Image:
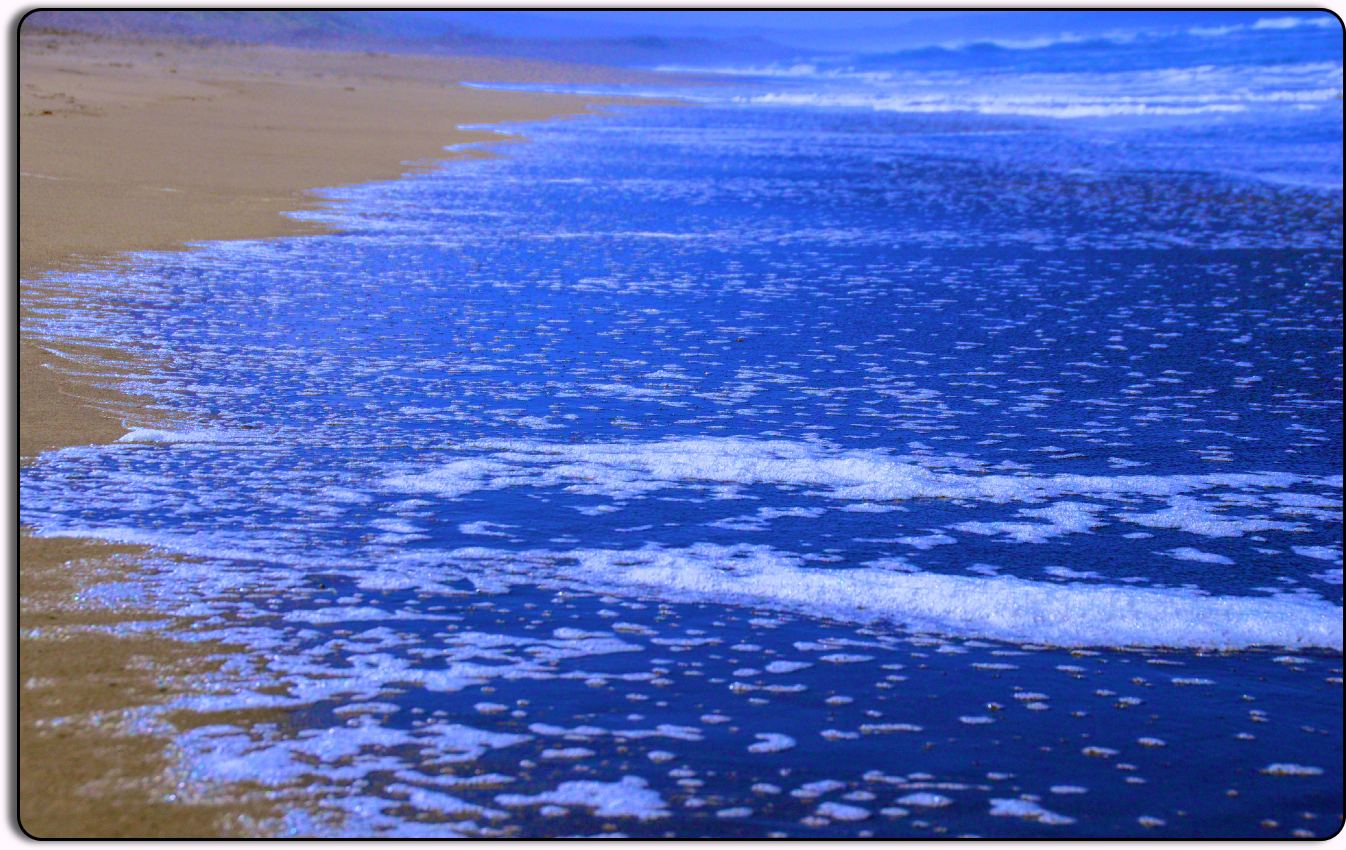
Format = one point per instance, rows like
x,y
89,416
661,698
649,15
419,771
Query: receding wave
x,y
1001,608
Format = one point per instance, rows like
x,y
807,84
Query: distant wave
x,y
1267,40
1293,23
1041,41
1033,109
1132,37
795,71
1165,91
1042,106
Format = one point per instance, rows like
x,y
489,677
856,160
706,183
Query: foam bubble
x,y
1187,553
771,742
1001,807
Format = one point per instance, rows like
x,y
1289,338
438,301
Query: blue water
x,y
802,463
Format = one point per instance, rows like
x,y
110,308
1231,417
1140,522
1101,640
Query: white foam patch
x,y
925,799
566,753
1187,553
186,436
483,528
628,469
758,521
999,607
928,541
225,753
771,742
842,811
440,803
1328,576
629,798
1195,517
1288,769
1321,553
1001,807
1061,518
810,790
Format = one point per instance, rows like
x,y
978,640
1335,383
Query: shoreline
x,y
131,145
142,144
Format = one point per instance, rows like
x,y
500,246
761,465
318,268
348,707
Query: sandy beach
x,y
130,145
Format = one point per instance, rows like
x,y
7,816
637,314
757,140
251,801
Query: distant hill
x,y
408,32
289,27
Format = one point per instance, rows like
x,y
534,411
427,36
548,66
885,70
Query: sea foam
x,y
628,469
1003,607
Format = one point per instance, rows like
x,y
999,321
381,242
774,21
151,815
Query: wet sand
x,y
136,144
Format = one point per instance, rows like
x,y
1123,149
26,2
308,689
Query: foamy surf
x,y
998,608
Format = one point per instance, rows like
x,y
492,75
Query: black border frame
x,y
12,322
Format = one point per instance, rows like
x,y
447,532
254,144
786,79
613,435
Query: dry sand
x,y
135,144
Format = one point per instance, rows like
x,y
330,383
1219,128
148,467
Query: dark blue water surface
x,y
761,468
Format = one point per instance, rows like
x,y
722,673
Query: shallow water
x,y
781,470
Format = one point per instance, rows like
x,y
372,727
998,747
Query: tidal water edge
x,y
775,466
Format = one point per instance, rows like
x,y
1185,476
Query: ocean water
x,y
935,443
